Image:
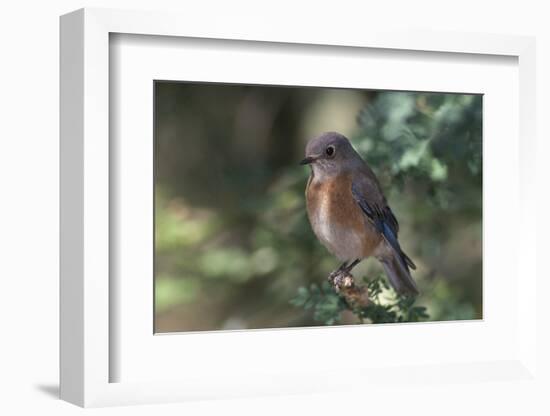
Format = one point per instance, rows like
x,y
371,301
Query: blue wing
x,y
384,221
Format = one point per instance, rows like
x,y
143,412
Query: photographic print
x,y
291,206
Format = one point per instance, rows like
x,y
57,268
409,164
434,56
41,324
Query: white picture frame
x,y
86,330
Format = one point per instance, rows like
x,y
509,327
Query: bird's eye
x,y
330,151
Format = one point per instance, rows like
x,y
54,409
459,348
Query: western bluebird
x,y
349,213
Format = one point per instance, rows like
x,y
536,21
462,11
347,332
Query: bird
x,y
349,213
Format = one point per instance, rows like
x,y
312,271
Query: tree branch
x,y
344,285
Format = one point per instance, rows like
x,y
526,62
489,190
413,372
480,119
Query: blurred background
x,y
232,241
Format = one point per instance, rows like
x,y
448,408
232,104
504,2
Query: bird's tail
x,y
398,273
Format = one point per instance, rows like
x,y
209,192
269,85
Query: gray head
x,y
331,154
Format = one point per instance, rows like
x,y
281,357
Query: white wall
x,y
29,185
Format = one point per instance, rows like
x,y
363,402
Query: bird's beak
x,y
307,160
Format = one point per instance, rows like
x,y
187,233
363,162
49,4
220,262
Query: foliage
x,y
430,140
385,305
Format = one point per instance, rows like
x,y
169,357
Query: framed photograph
x,y
242,212
245,247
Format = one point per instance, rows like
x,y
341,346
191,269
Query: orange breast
x,y
337,219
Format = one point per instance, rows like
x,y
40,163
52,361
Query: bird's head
x,y
330,154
